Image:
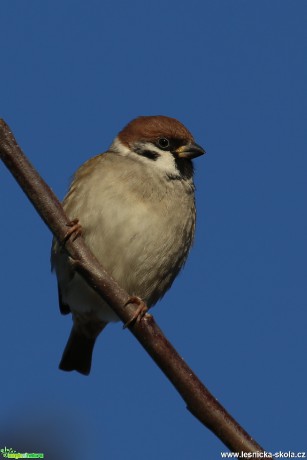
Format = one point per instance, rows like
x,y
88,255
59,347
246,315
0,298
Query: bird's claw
x,y
75,230
141,310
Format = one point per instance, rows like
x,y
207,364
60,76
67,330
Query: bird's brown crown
x,y
149,128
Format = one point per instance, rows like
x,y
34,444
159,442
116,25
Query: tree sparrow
x,y
136,206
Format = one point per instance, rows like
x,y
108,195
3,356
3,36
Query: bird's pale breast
x,y
140,234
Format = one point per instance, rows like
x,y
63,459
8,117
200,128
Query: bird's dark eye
x,y
163,143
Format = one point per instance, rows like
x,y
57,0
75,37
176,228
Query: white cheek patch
x,y
165,162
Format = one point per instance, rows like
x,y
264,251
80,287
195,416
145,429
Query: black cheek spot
x,y
150,154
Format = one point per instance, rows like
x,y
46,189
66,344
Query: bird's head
x,y
159,141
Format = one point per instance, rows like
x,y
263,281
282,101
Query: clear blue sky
x,y
73,73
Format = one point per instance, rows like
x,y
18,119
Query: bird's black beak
x,y
190,151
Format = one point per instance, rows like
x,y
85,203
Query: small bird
x,y
136,206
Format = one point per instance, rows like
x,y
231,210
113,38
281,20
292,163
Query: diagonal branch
x,y
200,402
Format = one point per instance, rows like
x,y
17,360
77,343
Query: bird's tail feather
x,y
78,352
